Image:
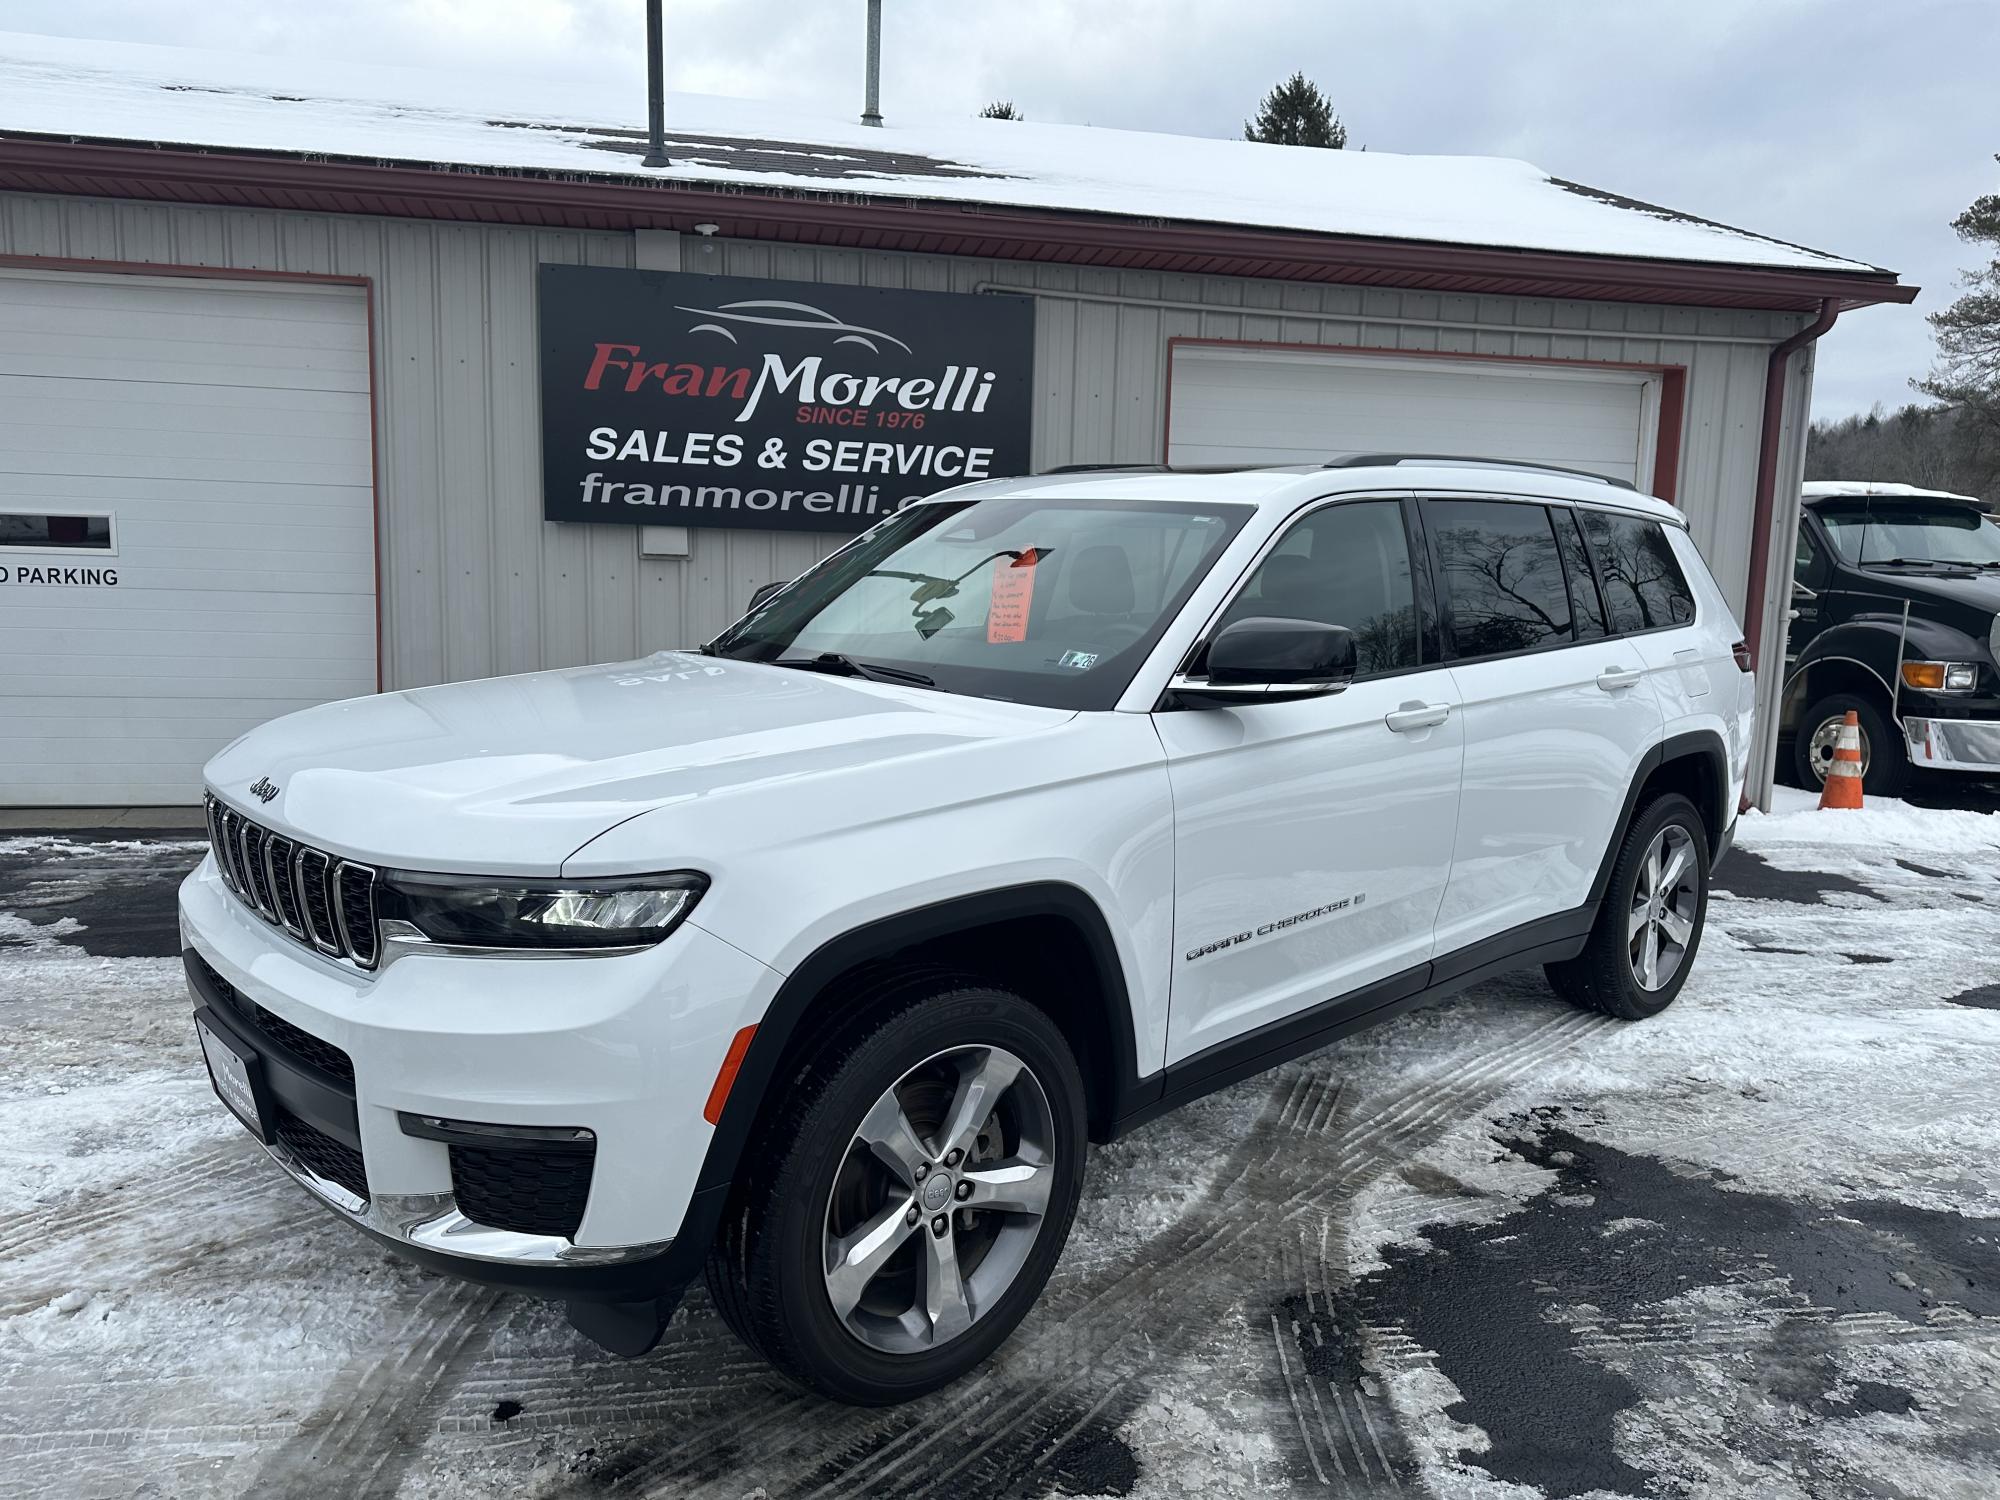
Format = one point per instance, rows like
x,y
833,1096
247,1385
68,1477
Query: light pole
x,y
871,113
656,90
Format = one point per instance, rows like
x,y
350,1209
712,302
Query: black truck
x,y
1896,615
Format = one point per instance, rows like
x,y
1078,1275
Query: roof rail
x,y
1461,461
1102,468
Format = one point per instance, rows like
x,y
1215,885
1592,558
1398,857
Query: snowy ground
x,y
1495,1249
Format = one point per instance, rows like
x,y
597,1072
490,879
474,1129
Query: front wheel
x,y
1648,929
1885,758
911,1197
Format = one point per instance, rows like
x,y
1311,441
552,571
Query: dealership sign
x,y
686,400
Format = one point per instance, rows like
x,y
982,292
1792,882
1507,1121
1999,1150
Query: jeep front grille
x,y
317,898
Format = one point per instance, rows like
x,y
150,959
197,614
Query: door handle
x,y
1414,716
1612,679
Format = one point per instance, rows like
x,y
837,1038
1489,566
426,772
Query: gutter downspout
x,y
1764,509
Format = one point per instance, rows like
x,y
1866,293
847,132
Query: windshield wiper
x,y
846,666
1903,562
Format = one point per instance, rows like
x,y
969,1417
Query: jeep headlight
x,y
483,911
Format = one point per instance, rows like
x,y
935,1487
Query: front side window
x,y
1644,588
1906,535
1051,602
1347,564
1502,574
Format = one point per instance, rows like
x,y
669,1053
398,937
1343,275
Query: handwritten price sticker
x,y
1013,593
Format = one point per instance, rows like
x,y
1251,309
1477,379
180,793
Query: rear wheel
x,y
1649,927
910,1198
1885,760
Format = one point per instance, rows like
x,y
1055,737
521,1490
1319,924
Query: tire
x,y
816,1186
1883,750
1607,975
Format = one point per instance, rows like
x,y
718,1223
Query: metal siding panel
x,y
1790,474
407,409
514,479
467,508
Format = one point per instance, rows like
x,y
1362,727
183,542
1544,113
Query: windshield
x,y
1946,535
1051,602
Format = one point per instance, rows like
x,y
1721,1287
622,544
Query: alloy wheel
x,y
938,1199
1665,906
1819,750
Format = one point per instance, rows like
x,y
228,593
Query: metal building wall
x,y
476,583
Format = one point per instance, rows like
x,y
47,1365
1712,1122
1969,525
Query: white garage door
x,y
187,540
1235,406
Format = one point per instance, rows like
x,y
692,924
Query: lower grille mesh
x,y
530,1190
280,1033
320,1152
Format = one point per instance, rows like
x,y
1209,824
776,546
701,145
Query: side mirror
x,y
1267,660
766,592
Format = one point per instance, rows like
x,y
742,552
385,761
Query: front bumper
x,y
623,1047
1954,744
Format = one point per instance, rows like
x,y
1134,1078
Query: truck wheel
x,y
910,1197
1649,928
1885,759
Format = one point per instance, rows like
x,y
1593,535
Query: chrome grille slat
x,y
324,902
255,841
278,852
232,847
354,909
316,899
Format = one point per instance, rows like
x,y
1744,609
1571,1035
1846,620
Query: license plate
x,y
229,1070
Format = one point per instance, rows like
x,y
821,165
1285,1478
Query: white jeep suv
x,y
811,959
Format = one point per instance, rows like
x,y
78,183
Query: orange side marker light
x,y
725,1078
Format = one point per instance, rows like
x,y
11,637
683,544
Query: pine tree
x,y
1296,113
1967,374
1001,109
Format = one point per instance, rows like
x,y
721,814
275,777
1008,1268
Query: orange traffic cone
x,y
1843,777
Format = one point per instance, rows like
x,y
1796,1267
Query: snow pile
x,y
1885,823
124,92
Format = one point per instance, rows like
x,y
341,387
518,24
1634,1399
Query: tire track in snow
x,y
380,1408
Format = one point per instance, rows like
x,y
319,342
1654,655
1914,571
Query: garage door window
x,y
1503,576
46,533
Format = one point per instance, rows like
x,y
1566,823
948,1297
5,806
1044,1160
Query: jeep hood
x,y
513,774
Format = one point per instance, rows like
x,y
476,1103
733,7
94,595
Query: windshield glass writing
x,y
1950,535
1053,602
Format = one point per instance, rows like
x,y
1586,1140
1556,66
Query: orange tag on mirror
x,y
1013,592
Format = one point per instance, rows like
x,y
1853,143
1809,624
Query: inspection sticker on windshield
x,y
1077,661
1013,592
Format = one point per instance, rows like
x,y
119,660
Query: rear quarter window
x,y
1644,586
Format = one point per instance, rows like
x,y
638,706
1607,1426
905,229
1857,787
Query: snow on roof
x,y
1822,489
114,91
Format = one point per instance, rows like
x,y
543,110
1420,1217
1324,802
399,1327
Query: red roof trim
x,y
37,164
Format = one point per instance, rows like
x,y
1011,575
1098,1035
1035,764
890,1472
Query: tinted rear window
x,y
1583,596
1503,577
1644,588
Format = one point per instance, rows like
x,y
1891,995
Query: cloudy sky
x,y
1849,125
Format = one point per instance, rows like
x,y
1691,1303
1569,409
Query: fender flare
x,y
880,938
1703,744
1872,644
